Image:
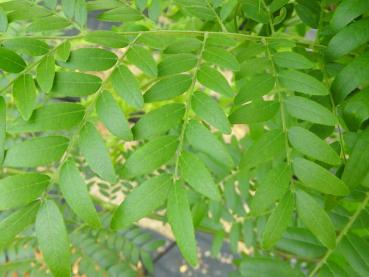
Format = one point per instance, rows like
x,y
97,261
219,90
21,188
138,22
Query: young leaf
x,y
143,59
309,110
3,128
180,219
36,151
209,110
76,194
107,38
255,112
256,87
168,88
221,57
142,201
195,173
214,80
126,85
302,82
19,190
176,63
159,121
46,73
315,219
292,60
278,221
11,61
150,156
93,148
24,92
53,239
112,116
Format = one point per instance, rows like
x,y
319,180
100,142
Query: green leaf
x,y
142,201
68,7
176,63
3,21
271,188
278,221
16,222
80,12
255,112
316,177
252,9
209,110
90,59
11,61
46,73
76,194
309,12
28,46
312,146
159,121
309,110
112,116
183,45
348,39
24,92
221,57
36,151
347,11
197,8
214,80
195,173
292,60
168,88
63,51
256,87
150,156
93,148
302,82
75,84
3,129
357,166
48,23
126,85
121,14
180,219
55,116
107,38
356,110
21,189
315,219
143,59
204,141
53,239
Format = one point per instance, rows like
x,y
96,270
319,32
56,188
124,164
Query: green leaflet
x,y
348,39
53,239
121,14
46,73
302,82
255,112
315,219
253,10
28,46
68,7
150,156
356,110
159,121
75,84
350,77
195,173
93,148
183,45
221,57
180,219
21,189
126,85
80,12
16,222
309,110
112,116
209,110
292,60
278,221
312,146
48,23
142,201
55,116
357,166
3,128
11,61
107,38
316,177
3,21
76,194
63,51
347,11
256,87
214,80
199,137
309,12
271,188
168,87
176,63
90,59
24,92
36,151
142,58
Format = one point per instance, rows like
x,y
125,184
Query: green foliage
x,y
247,119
